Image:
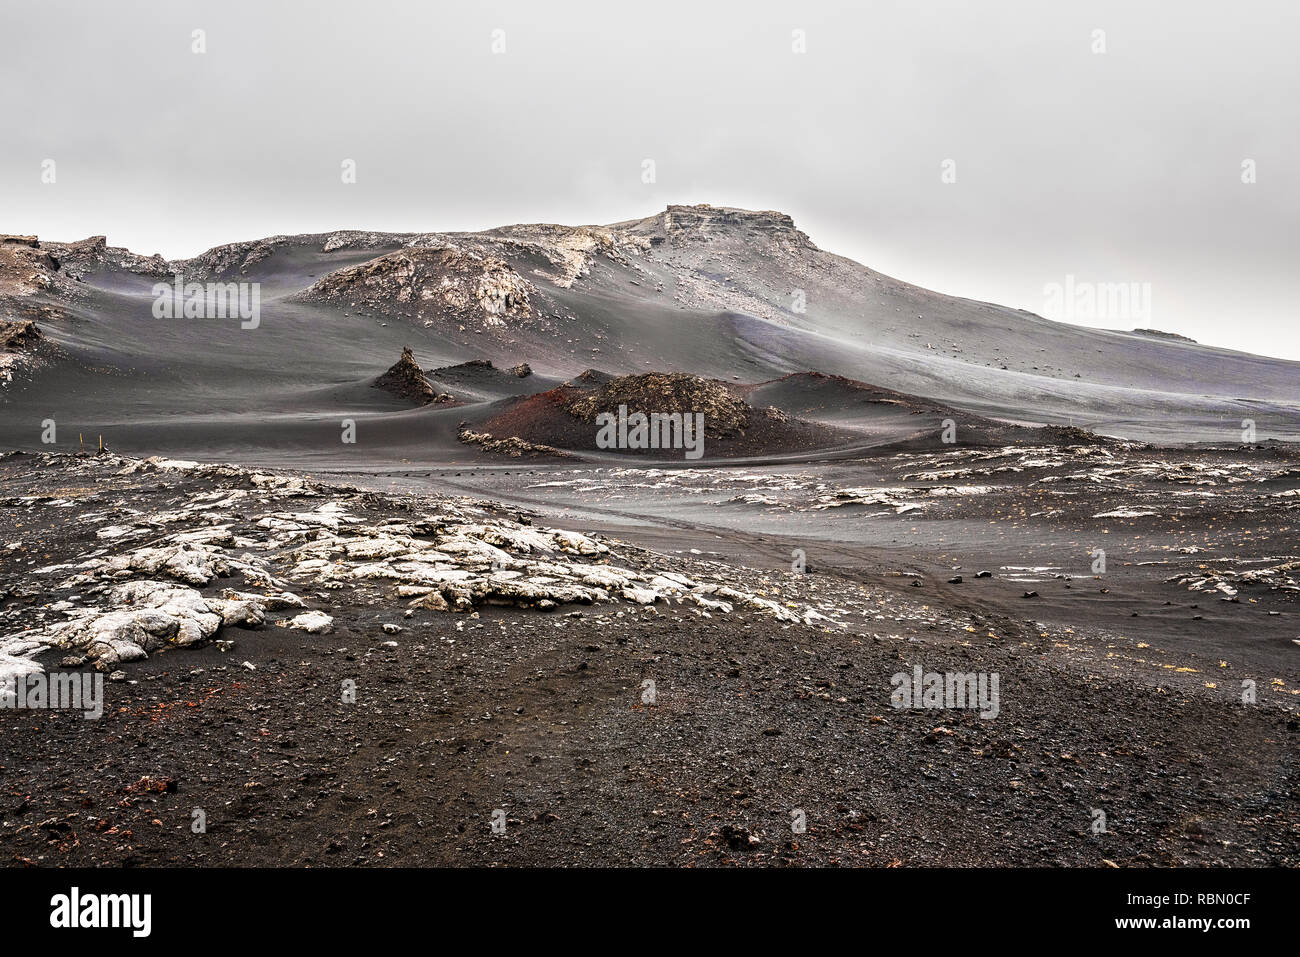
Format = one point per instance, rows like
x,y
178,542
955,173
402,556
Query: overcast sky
x,y
1121,166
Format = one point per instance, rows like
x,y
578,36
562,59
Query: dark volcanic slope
x,y
703,290
878,415
479,380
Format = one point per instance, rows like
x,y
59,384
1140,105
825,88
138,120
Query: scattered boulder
x,y
191,562
313,622
149,616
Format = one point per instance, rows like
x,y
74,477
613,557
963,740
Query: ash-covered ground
x,y
697,702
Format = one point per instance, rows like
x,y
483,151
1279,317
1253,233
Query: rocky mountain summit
x,y
704,224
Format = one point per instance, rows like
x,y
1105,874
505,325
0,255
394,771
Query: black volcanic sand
x,y
541,716
1031,535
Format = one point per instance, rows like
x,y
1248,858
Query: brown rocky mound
x,y
565,417
725,412
432,282
406,380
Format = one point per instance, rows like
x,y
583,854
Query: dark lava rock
x,y
406,380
